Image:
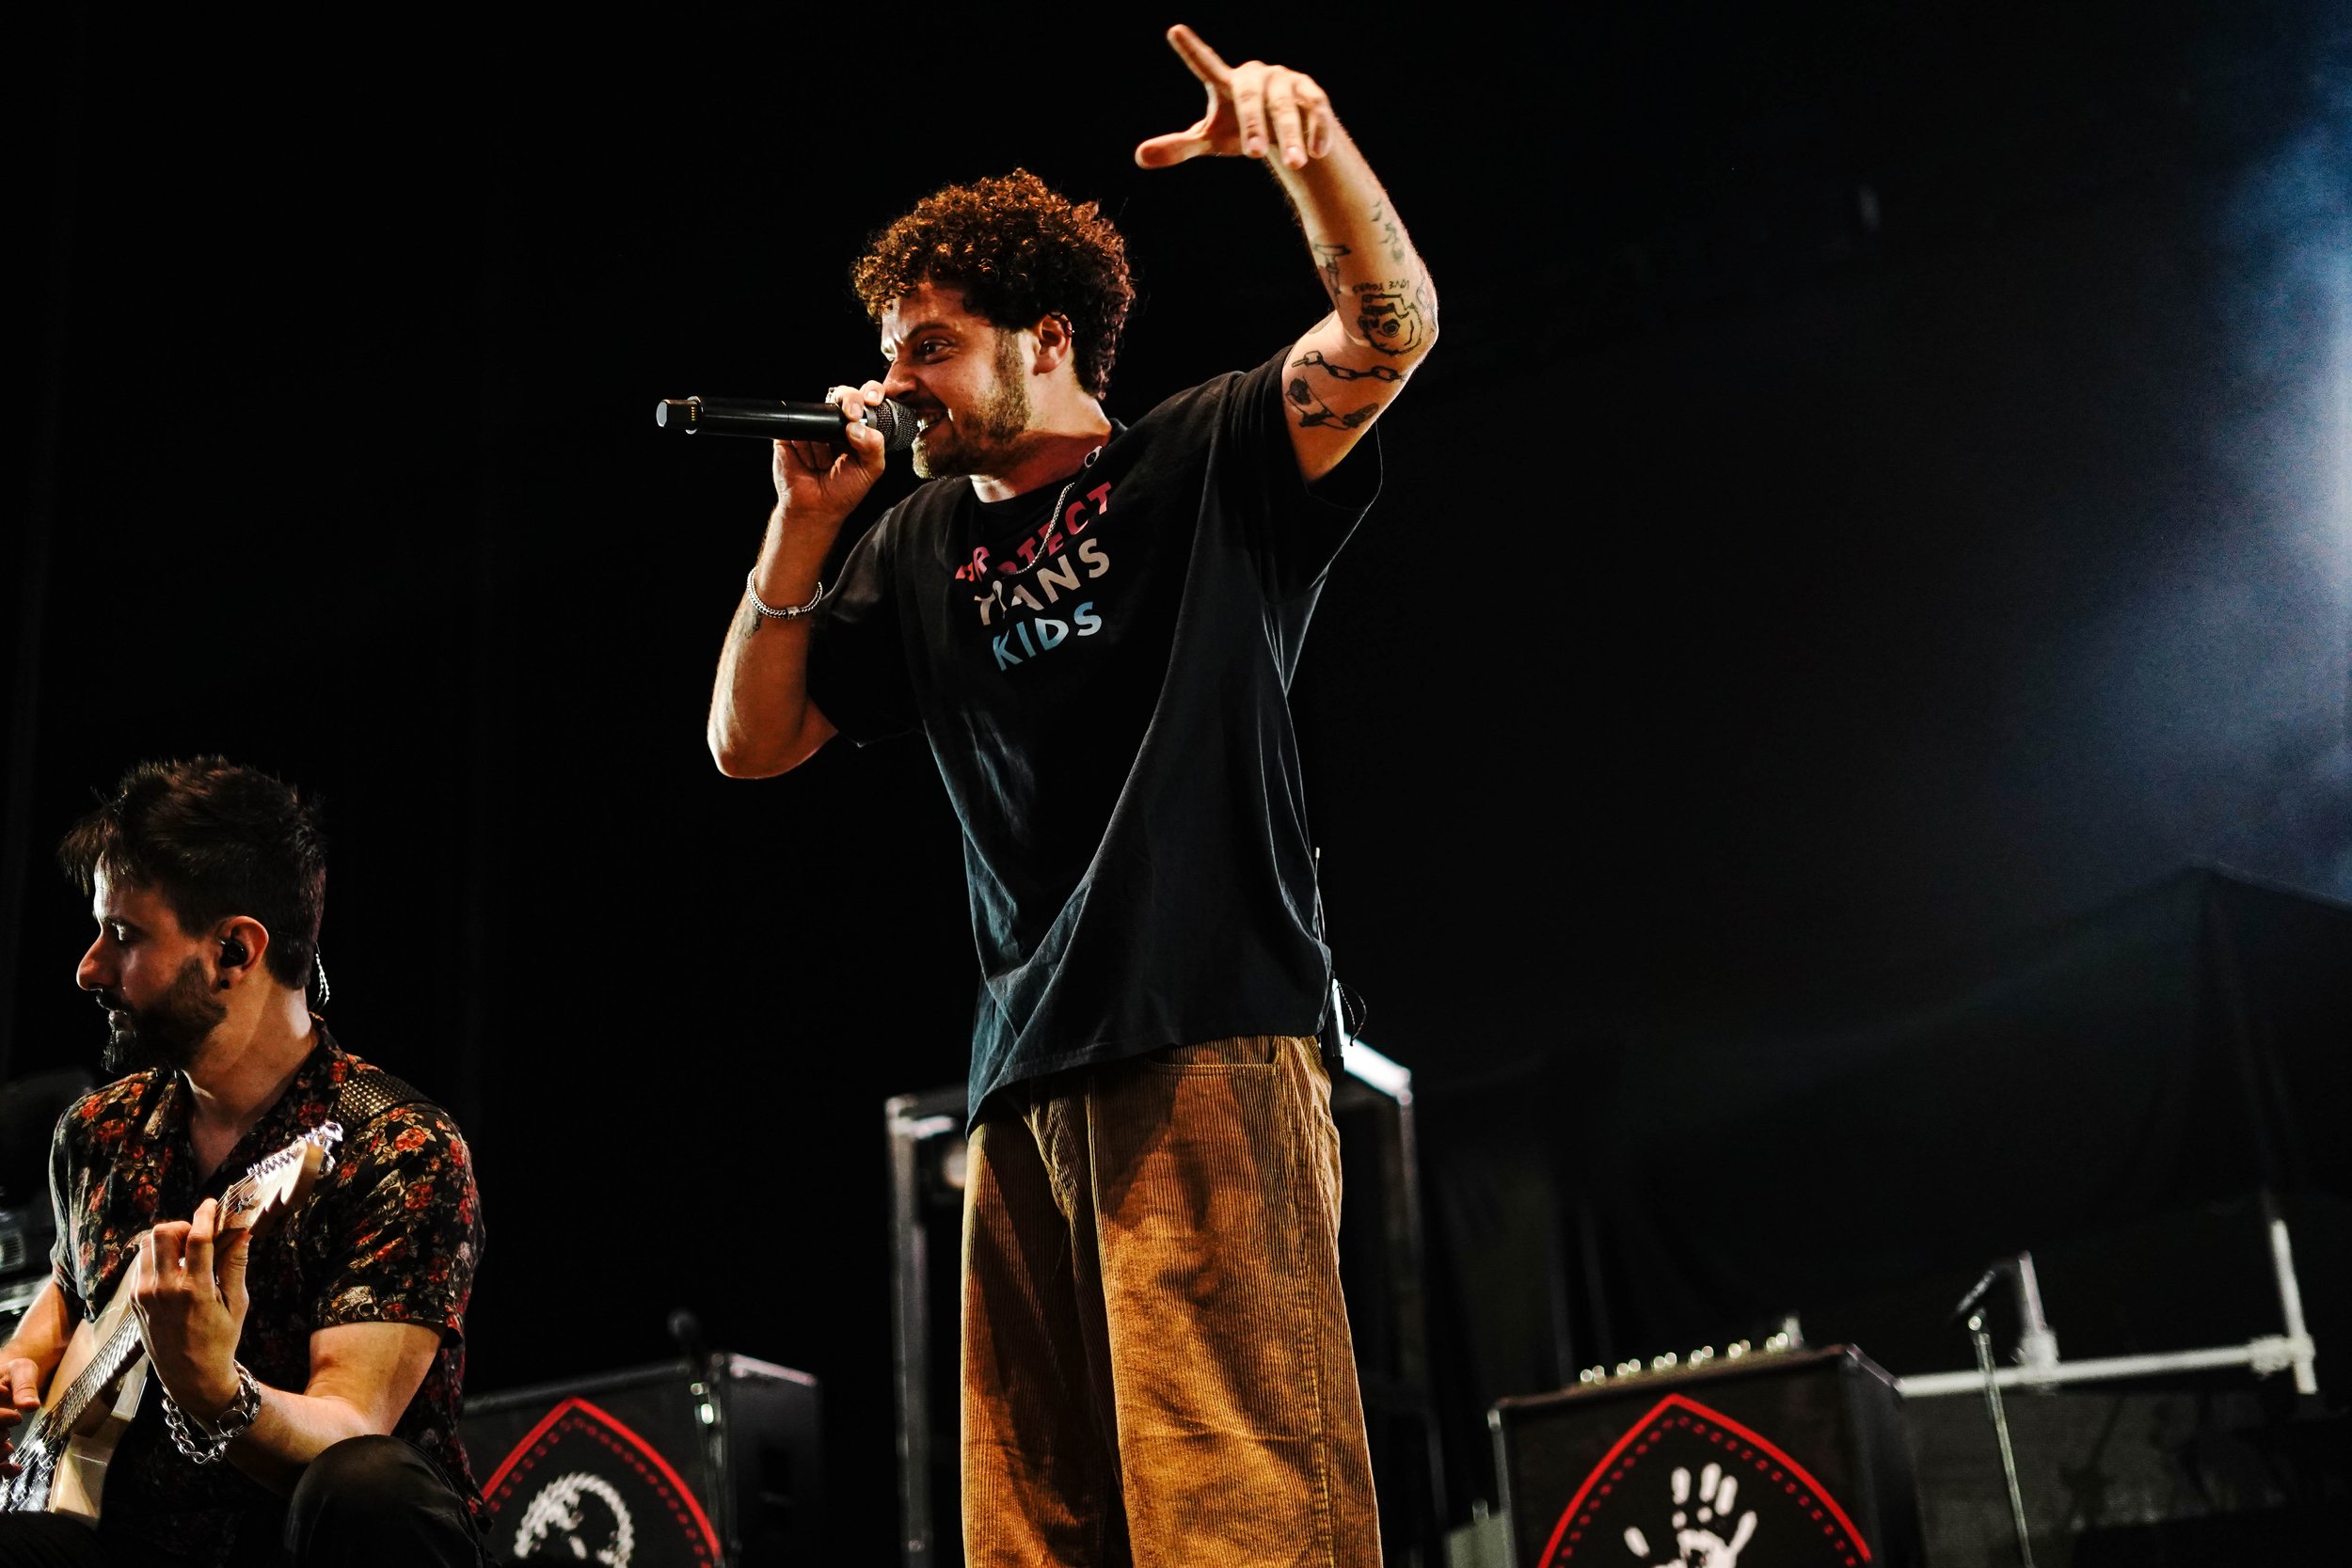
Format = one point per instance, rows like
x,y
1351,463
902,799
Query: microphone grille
x,y
894,421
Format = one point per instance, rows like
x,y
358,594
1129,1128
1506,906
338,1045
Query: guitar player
x,y
303,1376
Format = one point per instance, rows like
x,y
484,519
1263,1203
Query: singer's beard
x,y
977,441
167,1030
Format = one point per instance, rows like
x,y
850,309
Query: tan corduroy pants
x,y
1156,1364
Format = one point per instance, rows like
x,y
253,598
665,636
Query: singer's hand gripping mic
x,y
783,422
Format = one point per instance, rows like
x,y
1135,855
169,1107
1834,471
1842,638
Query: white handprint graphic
x,y
1698,1544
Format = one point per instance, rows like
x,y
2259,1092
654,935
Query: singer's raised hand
x,y
1350,366
1253,107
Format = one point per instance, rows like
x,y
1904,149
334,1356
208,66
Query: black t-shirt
x,y
1102,670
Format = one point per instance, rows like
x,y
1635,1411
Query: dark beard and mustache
x,y
989,432
166,1032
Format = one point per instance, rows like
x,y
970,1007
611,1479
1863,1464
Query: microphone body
x,y
783,422
1976,1294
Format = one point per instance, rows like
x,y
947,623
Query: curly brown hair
x,y
1018,250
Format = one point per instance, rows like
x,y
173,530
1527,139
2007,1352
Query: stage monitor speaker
x,y
1789,1459
677,1465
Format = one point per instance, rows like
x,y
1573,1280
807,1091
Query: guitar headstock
x,y
282,1181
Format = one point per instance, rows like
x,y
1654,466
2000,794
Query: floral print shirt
x,y
391,1234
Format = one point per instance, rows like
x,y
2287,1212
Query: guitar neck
x,y
59,1466
105,1365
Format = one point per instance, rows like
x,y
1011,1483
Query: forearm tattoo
x,y
1314,357
746,623
1307,404
1397,316
1386,317
1328,262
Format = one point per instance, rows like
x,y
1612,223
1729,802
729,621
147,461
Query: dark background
x,y
1884,488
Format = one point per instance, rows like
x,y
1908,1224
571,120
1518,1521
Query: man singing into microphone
x,y
1094,626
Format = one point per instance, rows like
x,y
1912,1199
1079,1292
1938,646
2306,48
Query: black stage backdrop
x,y
2128,1094
1881,496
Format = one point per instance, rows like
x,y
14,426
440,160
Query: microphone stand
x,y
1982,1338
2000,1431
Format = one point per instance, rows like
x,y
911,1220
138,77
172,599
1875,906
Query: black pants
x,y
367,1502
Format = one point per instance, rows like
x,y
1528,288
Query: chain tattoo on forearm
x,y
1307,404
1395,317
1347,372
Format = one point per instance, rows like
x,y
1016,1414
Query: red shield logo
x,y
582,1487
1688,1487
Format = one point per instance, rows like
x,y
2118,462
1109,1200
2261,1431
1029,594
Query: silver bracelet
x,y
242,1412
788,611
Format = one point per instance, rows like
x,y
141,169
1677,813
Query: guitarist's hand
x,y
19,1396
20,1390
191,1304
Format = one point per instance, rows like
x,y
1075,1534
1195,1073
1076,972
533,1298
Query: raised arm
x,y
761,721
1352,363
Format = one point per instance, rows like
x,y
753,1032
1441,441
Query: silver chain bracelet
x,y
242,1412
786,613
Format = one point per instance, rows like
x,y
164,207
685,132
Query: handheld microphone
x,y
783,422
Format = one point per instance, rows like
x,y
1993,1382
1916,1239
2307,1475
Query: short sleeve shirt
x,y
1102,672
392,1233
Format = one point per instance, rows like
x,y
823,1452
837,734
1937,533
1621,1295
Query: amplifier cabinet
x,y
678,1464
1792,1459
